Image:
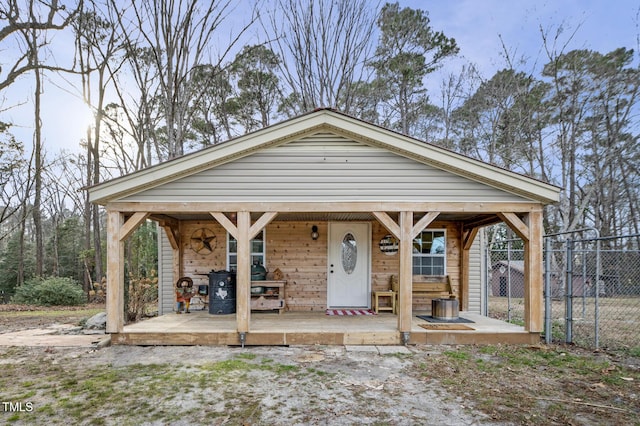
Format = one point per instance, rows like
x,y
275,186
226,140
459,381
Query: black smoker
x,y
222,292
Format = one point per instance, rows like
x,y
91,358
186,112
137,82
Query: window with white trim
x,y
257,251
429,252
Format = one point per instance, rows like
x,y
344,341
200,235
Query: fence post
x,y
509,281
569,293
597,295
547,290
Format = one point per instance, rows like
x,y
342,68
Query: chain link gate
x,y
592,288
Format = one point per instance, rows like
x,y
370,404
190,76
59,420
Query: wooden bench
x,y
428,286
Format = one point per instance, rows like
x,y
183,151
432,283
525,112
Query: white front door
x,y
348,283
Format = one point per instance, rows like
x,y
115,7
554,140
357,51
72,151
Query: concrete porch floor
x,y
313,328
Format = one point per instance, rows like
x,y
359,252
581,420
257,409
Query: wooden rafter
x,y
480,221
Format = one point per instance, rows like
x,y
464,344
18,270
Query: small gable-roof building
x,y
334,208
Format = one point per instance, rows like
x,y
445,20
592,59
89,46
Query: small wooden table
x,y
376,295
272,297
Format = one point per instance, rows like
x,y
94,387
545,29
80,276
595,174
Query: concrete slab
x,y
361,348
391,350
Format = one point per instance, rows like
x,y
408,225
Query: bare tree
x,y
454,90
12,165
96,47
324,45
178,35
27,24
18,17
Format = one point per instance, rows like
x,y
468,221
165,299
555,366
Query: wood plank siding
x,y
324,167
302,260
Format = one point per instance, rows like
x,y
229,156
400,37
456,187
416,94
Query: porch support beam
x,y
118,230
530,230
405,275
533,273
467,241
243,273
115,273
325,206
405,232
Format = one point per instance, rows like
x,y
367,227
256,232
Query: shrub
x,y
54,291
143,291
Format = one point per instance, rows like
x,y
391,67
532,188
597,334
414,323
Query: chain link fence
x,y
592,288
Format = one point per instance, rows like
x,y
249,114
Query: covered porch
x,y
404,221
315,328
354,183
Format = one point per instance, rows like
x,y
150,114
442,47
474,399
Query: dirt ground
x,y
300,385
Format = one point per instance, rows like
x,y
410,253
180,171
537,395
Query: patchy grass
x,y
137,393
618,320
536,385
542,384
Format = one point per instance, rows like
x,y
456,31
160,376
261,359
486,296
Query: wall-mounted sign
x,y
389,245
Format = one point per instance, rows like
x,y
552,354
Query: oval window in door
x,y
349,253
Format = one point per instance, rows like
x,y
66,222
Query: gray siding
x,y
324,167
475,276
165,274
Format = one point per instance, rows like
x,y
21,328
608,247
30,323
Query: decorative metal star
x,y
203,240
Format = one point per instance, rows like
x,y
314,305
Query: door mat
x,y
431,319
447,326
349,312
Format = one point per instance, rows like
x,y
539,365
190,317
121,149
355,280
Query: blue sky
x,y
477,25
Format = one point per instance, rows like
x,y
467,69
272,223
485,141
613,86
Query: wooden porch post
x,y
243,273
115,273
531,233
405,232
468,236
117,231
405,275
533,272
